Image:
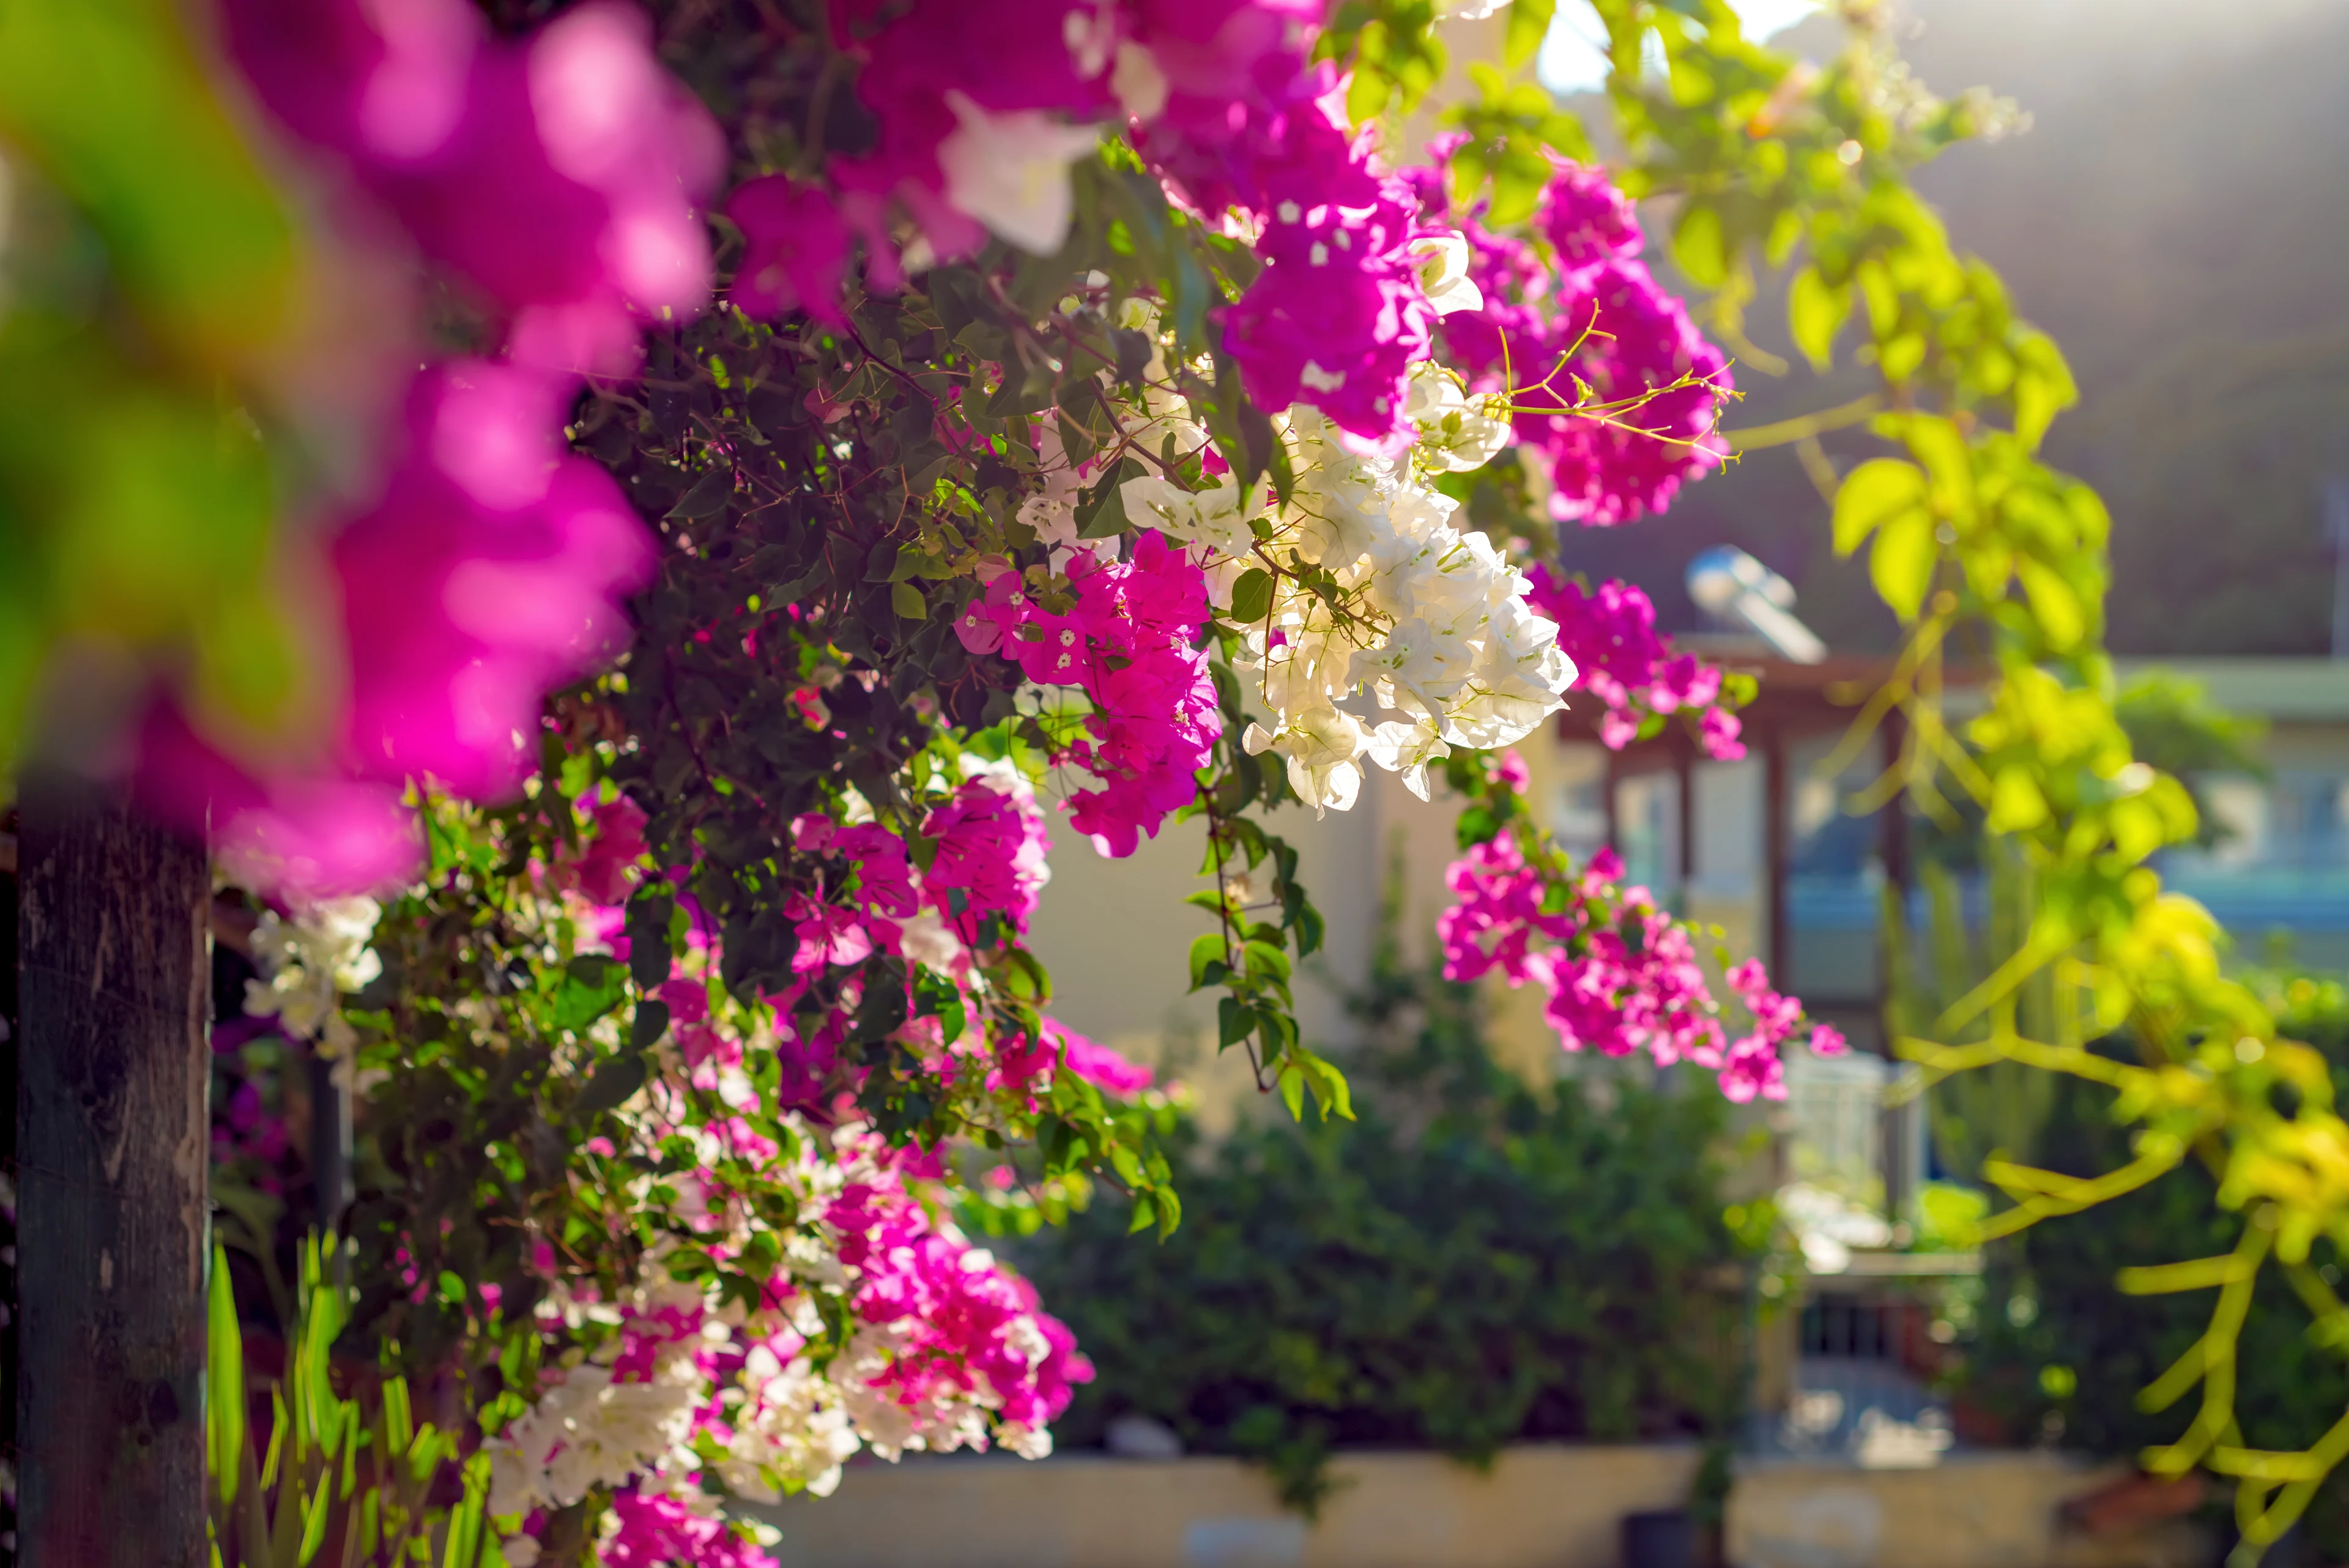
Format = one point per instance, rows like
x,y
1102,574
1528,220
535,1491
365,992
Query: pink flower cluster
x,y
1234,70
978,108
963,1326
1338,317
1598,318
1031,1065
656,1529
1621,974
962,96
1620,658
991,847
945,1348
608,859
989,844
557,177
1126,644
874,878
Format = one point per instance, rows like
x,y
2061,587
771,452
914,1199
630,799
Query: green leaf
x,y
1101,510
1292,1091
592,987
1235,1022
2044,387
225,1376
907,601
2053,604
615,1079
1329,1086
649,1025
708,497
1700,247
1529,23
2016,804
1206,949
1814,312
1263,958
1901,566
1871,495
647,929
1251,596
313,1522
1259,443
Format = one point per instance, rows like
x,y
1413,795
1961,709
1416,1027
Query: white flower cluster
x,y
308,961
589,1431
793,1423
1372,589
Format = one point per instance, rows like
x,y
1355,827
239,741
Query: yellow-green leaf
x,y
1814,312
1700,247
1901,566
2044,387
1877,490
1528,25
2054,604
2016,804
1292,1091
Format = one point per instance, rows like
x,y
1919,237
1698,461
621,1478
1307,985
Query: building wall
x,y
1540,1506
1116,934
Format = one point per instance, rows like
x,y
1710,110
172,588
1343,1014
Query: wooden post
x,y
113,1152
1778,945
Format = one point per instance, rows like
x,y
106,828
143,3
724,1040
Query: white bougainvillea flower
x,y
1454,434
1443,262
1010,171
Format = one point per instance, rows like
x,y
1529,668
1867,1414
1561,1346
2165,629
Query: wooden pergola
x,y
1796,702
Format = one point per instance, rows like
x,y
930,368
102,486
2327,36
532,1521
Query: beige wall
x,y
1540,1506
1972,1511
1115,933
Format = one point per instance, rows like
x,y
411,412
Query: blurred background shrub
x,y
1478,1262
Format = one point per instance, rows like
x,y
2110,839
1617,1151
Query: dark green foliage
x,y
2062,1352
2173,725
1471,1265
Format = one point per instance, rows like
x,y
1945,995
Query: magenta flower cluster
x,y
1617,391
1620,974
990,844
556,177
656,1529
1127,645
990,859
1338,317
979,110
938,1329
1620,658
960,1321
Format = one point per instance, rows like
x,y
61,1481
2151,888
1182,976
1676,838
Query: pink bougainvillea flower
x,y
1619,658
1588,327
558,173
795,249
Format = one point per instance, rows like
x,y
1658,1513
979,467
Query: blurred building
x,y
2278,880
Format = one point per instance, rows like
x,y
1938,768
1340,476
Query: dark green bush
x,y
1471,1265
